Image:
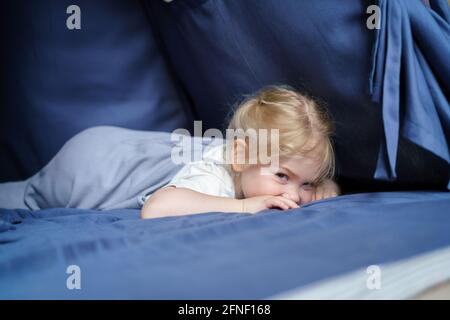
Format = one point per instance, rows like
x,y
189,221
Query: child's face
x,y
292,179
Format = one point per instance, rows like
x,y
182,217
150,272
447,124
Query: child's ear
x,y
239,152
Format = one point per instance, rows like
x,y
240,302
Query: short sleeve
x,y
204,177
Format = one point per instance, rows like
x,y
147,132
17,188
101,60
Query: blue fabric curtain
x,y
411,78
56,82
221,50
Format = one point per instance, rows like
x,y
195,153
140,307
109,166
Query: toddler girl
x,y
304,162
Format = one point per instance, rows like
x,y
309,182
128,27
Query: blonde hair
x,y
305,128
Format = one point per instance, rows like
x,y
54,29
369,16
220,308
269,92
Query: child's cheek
x,y
270,187
264,186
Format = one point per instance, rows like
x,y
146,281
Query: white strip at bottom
x,y
397,281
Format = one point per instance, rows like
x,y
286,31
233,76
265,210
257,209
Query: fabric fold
x,y
410,79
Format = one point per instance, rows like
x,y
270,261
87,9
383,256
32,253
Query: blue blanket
x,y
213,255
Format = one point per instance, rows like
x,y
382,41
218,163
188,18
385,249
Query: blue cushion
x,y
58,82
224,49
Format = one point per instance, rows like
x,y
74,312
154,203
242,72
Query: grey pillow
x,y
101,168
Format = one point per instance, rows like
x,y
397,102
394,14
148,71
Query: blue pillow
x,y
57,82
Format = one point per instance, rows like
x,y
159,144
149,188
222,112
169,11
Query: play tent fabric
x,y
156,65
411,71
323,47
56,81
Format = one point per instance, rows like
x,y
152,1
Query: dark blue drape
x,y
411,79
144,64
221,50
55,82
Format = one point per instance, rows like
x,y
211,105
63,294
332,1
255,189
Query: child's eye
x,y
282,176
307,186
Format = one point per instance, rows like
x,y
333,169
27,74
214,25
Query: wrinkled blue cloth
x,y
213,255
411,79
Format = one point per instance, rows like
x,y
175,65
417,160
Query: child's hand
x,y
259,203
327,189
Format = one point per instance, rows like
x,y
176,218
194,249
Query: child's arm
x,y
326,189
171,201
180,201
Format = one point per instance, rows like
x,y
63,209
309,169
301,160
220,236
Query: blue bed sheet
x,y
213,255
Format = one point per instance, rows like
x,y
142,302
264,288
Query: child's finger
x,y
280,204
289,202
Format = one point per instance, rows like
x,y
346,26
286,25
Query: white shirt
x,y
209,176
